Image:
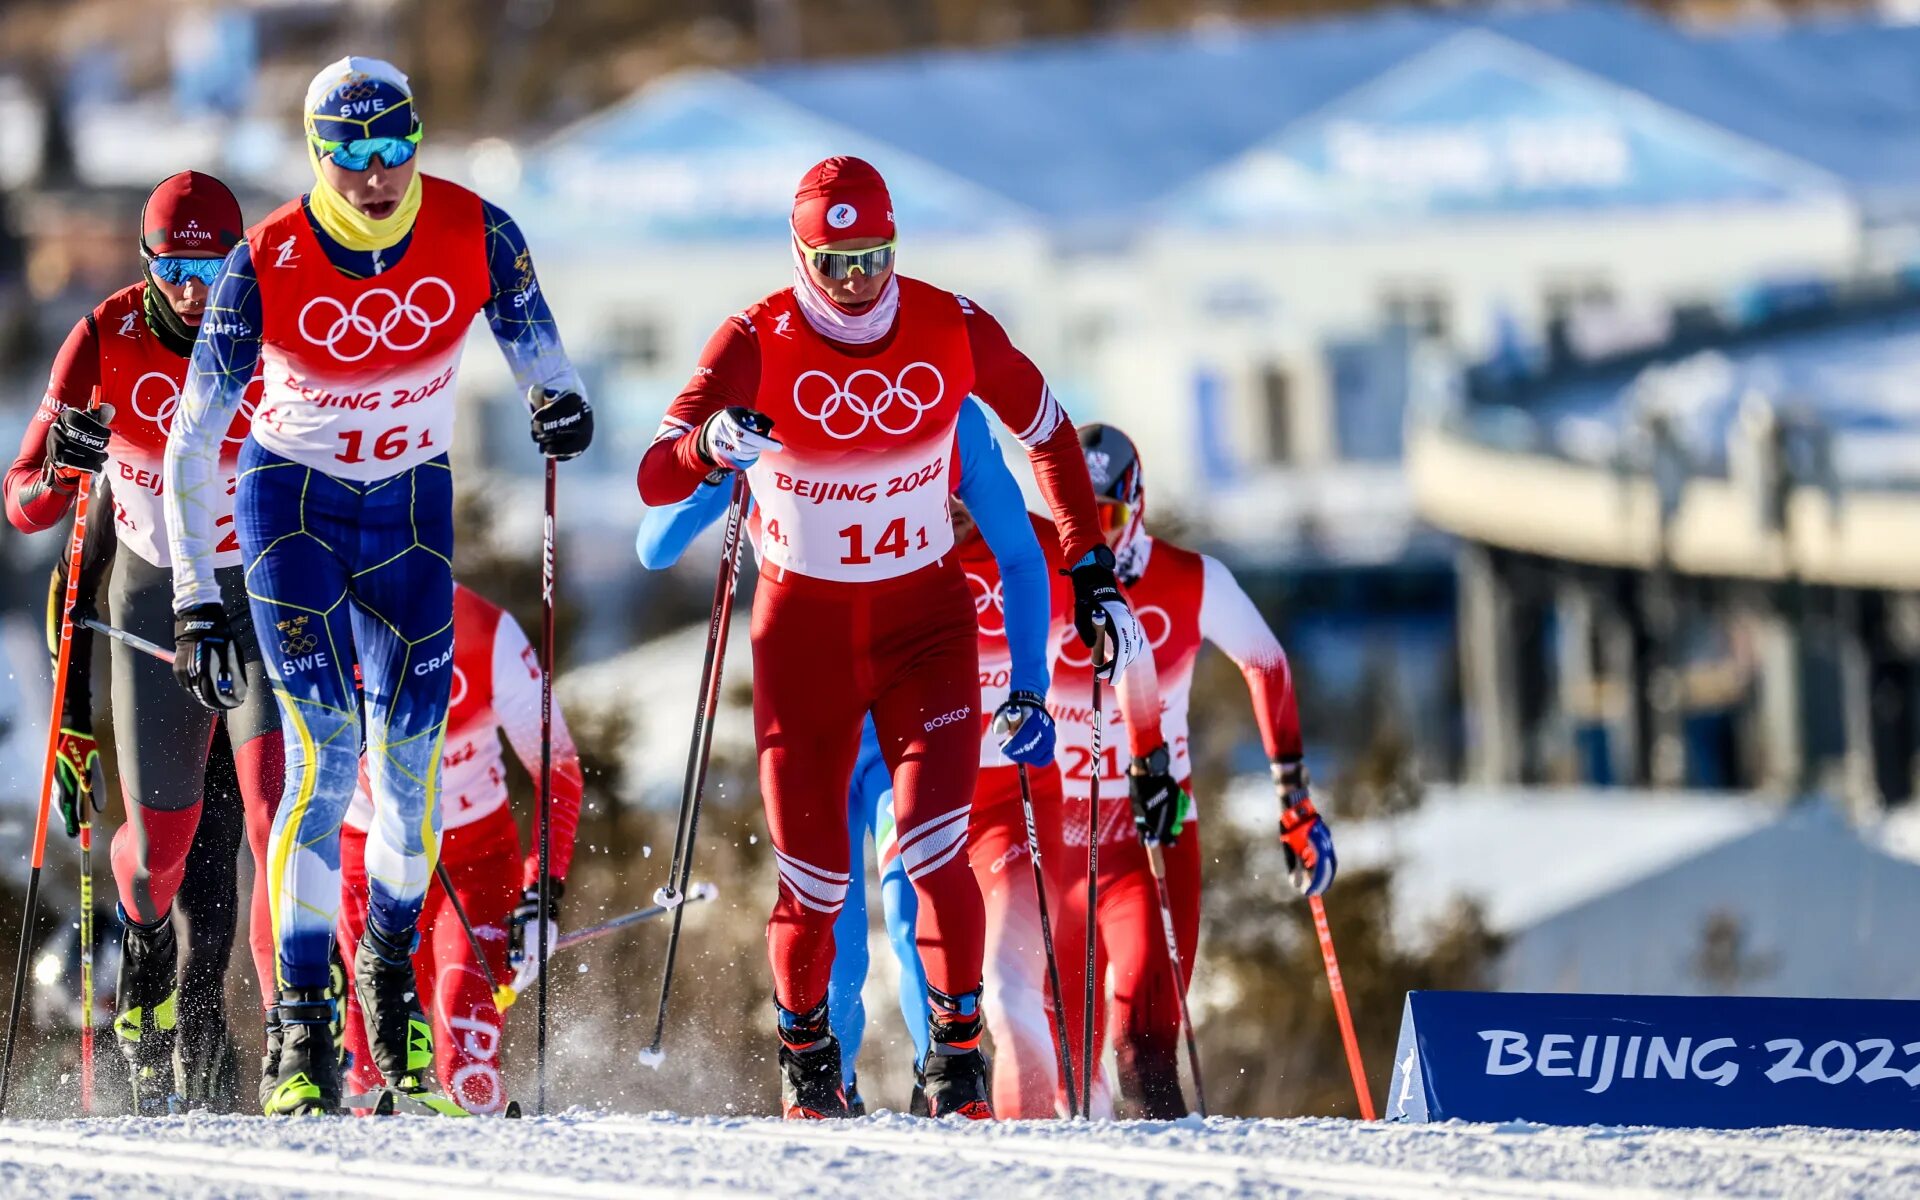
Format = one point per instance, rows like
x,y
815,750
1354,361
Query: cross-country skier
x,y
204,1072
354,301
1182,598
861,607
1000,534
132,350
496,691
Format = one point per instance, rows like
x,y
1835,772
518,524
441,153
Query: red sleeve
x,y
1018,394
33,502
728,374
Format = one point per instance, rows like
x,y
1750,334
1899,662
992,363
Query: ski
x,y
387,1102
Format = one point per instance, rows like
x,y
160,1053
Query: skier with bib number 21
x,y
861,606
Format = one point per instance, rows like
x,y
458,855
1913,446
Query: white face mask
x,y
834,323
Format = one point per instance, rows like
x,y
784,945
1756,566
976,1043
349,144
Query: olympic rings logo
x,y
377,318
876,407
159,403
988,602
1072,652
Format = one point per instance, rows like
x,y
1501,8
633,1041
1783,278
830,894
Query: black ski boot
x,y
398,1033
148,999
270,1061
954,1076
856,1105
306,1066
205,1067
810,1087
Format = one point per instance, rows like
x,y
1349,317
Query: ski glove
x,y
206,659
1024,729
523,954
562,424
1304,837
1097,605
1160,806
75,756
78,440
734,438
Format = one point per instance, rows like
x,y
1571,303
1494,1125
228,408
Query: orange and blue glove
x,y
1304,837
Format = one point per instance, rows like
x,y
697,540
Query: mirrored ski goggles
x,y
359,154
1115,515
839,264
176,270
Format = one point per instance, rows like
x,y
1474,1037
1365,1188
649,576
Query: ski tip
x,y
652,1057
512,1111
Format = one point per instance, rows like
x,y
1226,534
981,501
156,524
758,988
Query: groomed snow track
x,y
595,1156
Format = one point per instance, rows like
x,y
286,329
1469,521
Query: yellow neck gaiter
x,y
348,225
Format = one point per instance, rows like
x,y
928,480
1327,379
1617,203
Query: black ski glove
x,y
1098,604
206,659
562,423
1160,805
78,440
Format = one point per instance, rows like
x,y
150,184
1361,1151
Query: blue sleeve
x,y
666,532
517,311
990,493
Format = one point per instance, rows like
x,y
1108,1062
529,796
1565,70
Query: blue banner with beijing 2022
x,y
1718,1062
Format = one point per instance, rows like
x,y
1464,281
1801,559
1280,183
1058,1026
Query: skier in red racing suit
x,y
1182,599
838,396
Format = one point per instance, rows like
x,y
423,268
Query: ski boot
x,y
149,1005
810,1087
398,1033
206,1069
270,1060
954,1076
856,1105
306,1075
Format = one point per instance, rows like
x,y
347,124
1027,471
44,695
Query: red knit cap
x,y
190,211
842,198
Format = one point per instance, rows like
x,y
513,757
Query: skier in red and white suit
x,y
1182,599
862,607
1026,1074
496,690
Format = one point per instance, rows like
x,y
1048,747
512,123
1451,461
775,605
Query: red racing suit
x,y
862,606
1181,599
496,690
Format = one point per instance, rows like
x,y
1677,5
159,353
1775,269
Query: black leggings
x,y
208,902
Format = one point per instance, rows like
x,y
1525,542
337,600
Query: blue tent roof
x,y
1086,128
1105,130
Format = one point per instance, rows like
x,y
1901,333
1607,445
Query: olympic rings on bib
x,y
379,317
989,603
875,407
156,398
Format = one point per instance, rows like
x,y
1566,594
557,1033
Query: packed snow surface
x,y
582,1154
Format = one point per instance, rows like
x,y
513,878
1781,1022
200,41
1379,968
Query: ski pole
x,y
75,550
505,994
1046,940
473,938
1093,888
86,957
1355,1065
681,868
129,639
1157,863
544,885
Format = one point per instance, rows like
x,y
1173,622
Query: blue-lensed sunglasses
x,y
358,155
175,270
